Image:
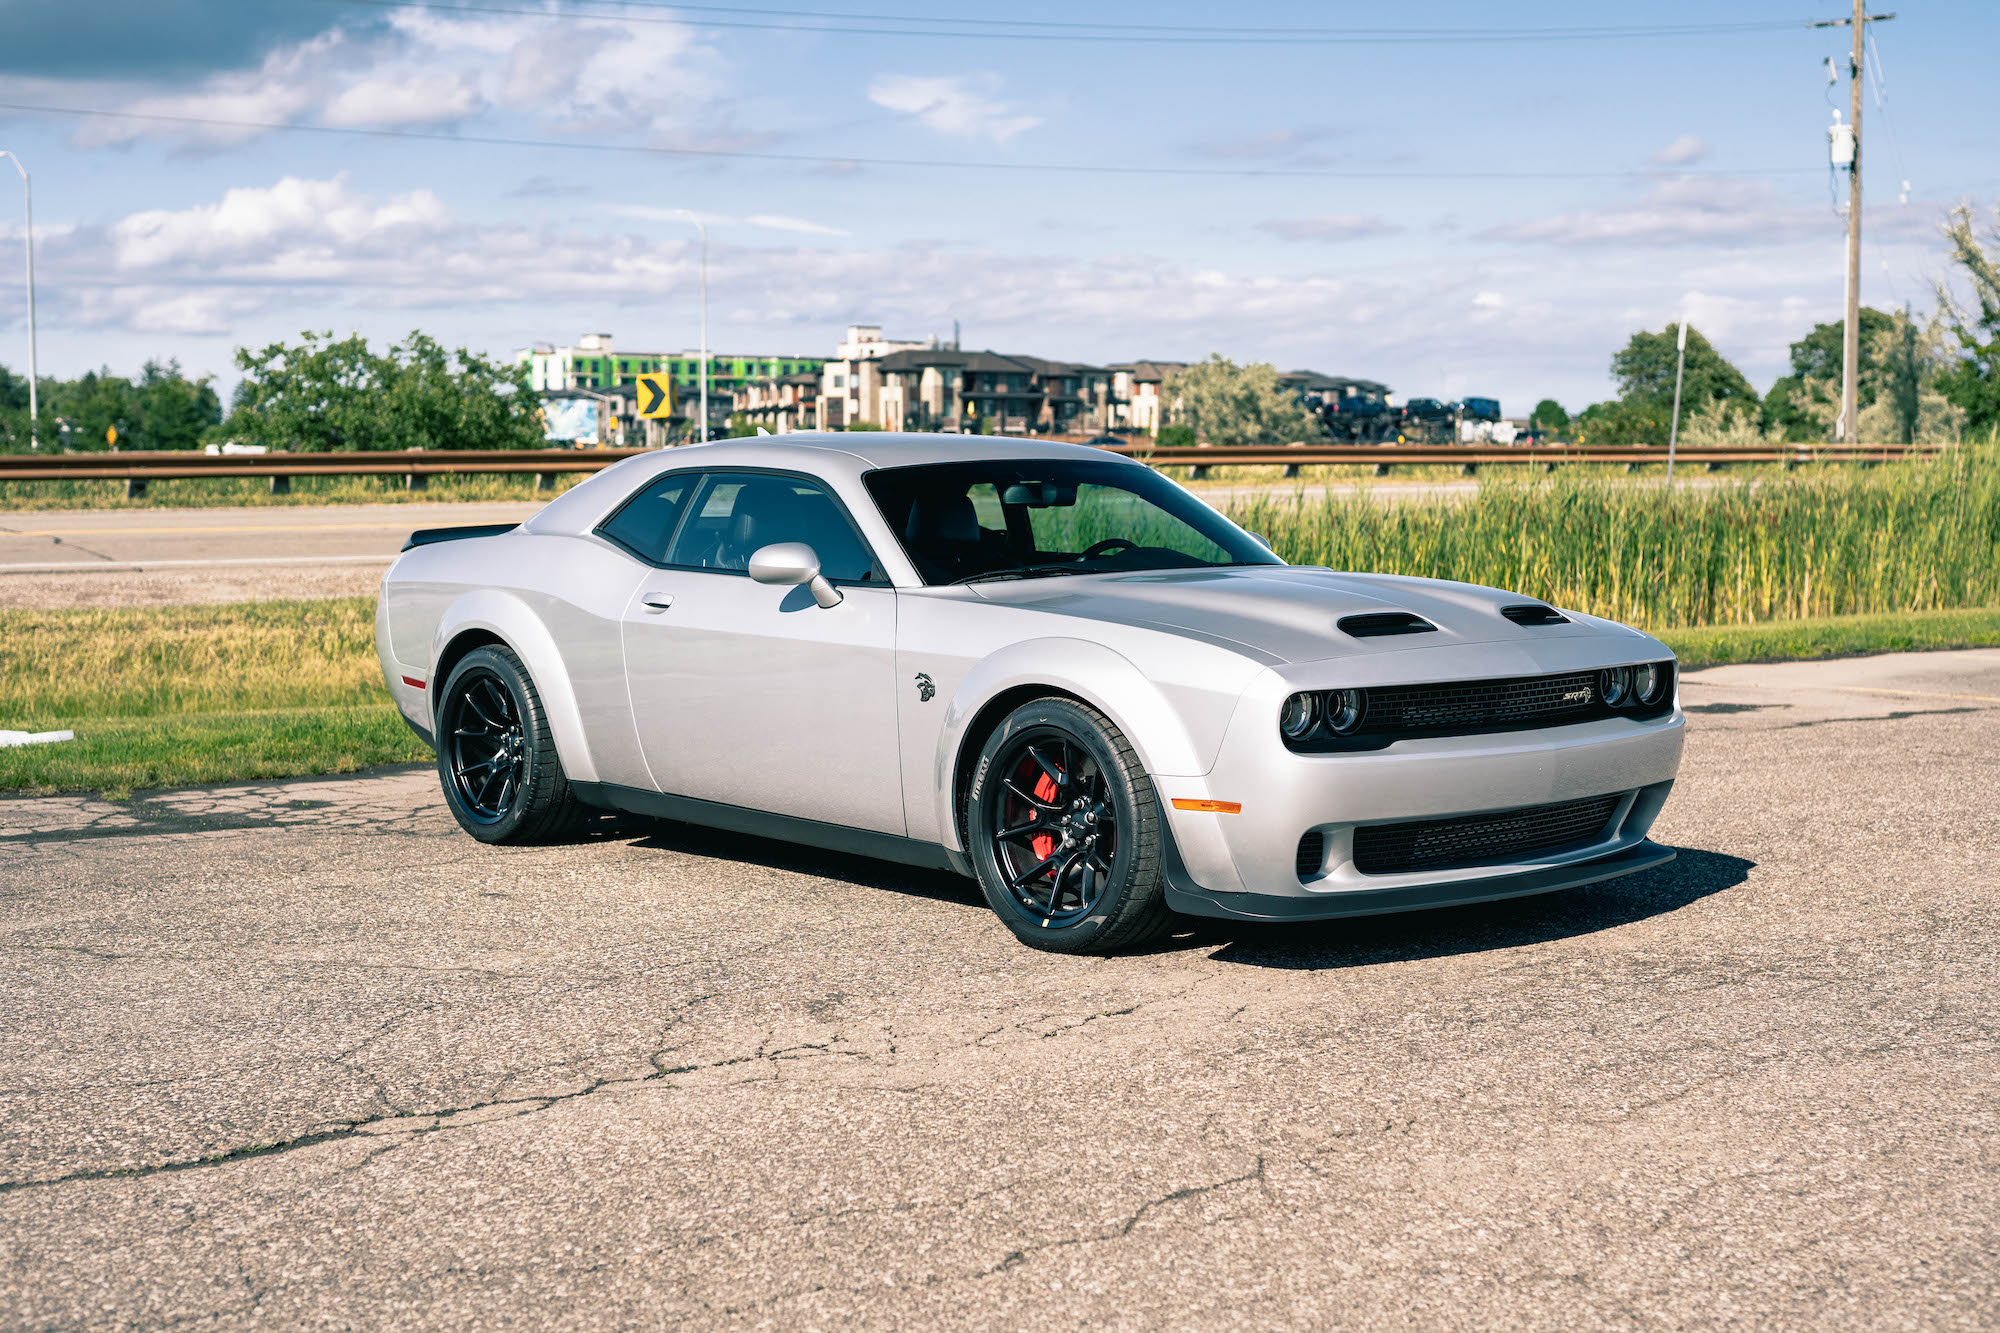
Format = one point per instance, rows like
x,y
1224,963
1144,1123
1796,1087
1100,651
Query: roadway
x,y
303,1053
108,557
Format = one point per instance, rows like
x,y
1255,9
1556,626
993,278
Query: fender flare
x,y
1101,677
508,618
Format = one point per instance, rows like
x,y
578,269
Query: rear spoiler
x,y
428,536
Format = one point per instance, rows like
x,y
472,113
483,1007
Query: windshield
x,y
1033,518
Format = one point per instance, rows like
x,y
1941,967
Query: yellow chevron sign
x,y
656,395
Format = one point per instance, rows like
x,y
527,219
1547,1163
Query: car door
x,y
756,696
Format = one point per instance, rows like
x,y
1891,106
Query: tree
x,y
1972,379
1790,406
326,394
1644,369
1549,415
1910,409
171,411
1228,405
162,409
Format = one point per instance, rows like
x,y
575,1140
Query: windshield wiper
x,y
1023,572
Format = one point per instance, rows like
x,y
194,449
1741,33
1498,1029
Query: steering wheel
x,y
1107,546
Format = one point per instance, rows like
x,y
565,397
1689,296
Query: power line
x,y
1218,29
1052,32
832,160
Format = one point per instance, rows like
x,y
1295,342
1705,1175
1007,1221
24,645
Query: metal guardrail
x,y
136,469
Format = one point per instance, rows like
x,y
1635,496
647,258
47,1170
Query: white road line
x,y
140,566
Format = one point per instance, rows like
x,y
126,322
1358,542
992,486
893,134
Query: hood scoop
x,y
1379,624
1534,614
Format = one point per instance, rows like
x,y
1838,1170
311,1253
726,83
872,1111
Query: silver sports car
x,y
1040,665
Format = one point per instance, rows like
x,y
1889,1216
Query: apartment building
x,y
787,403
928,387
595,364
1135,395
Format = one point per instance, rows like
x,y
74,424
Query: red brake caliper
x,y
1044,844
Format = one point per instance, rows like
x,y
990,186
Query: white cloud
x,y
1680,210
283,87
766,221
242,268
584,75
1329,229
296,220
1683,150
379,103
952,104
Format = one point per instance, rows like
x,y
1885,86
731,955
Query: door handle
x,y
657,601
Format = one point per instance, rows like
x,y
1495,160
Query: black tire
x,y
1088,818
496,759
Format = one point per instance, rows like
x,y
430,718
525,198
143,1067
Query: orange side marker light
x,y
1213,807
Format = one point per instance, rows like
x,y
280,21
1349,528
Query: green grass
x,y
172,696
1836,636
119,755
1911,536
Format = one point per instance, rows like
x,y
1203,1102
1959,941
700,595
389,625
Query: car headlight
x,y
1298,716
1344,710
1615,684
1649,682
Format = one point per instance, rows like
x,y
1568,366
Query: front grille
x,y
1390,713
1470,840
1311,854
1483,703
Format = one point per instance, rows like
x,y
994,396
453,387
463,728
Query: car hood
x,y
1285,613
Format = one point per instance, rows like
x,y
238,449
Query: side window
x,y
645,523
735,514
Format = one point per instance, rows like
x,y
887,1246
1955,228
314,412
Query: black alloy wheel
x,y
1060,829
487,744
497,760
1064,831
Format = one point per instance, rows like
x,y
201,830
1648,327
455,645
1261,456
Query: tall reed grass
x,y
1910,536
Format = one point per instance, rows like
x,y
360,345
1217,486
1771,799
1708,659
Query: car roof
x,y
877,448
838,457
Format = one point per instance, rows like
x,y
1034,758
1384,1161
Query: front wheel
x,y
502,777
1064,832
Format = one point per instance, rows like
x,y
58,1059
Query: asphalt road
x,y
304,1054
113,557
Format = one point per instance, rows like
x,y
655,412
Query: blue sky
x,y
1476,216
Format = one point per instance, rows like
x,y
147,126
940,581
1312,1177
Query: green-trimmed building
x,y
595,364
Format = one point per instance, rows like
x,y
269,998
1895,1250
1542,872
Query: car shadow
x,y
1509,924
935,885
1312,945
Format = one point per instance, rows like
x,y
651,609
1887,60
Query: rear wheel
x,y
497,761
1063,828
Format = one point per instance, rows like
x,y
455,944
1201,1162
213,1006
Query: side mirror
x,y
1262,540
790,564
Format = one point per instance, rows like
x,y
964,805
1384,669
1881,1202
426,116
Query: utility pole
x,y
34,403
688,215
1674,429
1850,351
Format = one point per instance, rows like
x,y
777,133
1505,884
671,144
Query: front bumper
x,y
1250,865
1183,895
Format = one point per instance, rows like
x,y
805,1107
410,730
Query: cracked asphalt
x,y
303,1054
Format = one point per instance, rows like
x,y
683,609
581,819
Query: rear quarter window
x,y
645,523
